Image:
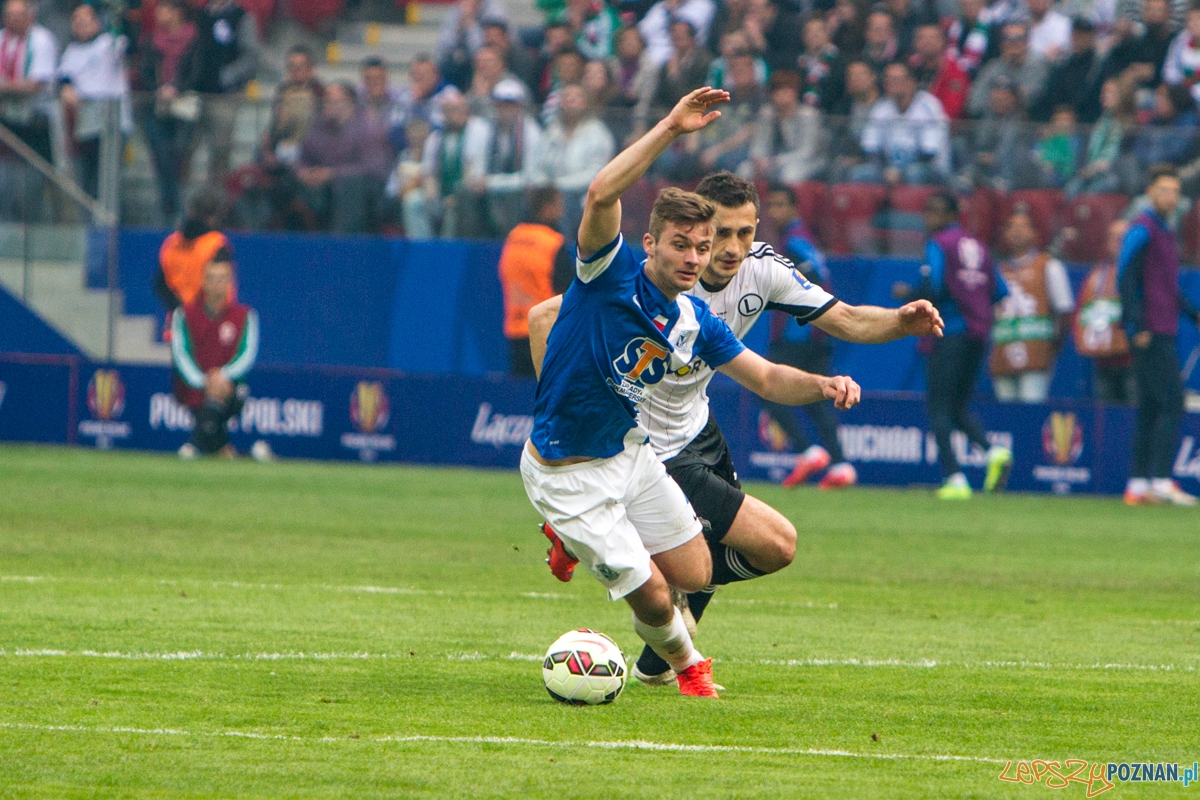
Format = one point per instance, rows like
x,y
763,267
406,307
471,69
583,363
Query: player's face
x,y
679,256
732,237
1164,195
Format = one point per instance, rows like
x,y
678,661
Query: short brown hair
x,y
1161,171
680,207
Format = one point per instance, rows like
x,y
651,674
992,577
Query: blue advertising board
x,y
387,416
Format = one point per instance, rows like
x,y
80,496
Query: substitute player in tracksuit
x,y
1151,302
214,343
961,280
745,536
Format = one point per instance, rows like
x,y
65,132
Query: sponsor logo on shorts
x,y
106,402
607,572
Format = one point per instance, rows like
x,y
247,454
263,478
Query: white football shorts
x,y
613,513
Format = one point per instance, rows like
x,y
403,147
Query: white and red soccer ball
x,y
584,668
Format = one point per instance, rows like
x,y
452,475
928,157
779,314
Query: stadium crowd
x,y
1081,97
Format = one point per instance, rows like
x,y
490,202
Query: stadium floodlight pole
x,y
602,209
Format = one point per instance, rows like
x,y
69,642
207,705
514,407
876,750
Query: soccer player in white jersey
x,y
588,468
746,537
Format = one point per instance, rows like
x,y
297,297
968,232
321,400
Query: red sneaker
x,y
810,462
697,680
839,475
561,563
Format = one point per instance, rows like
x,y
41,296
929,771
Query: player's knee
x,y
782,548
651,603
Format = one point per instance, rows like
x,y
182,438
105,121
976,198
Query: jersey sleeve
x,y
595,265
716,343
181,351
247,351
791,292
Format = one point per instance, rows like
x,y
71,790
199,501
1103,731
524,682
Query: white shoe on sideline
x,y
188,452
1171,493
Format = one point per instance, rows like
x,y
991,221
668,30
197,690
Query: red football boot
x,y
562,564
697,680
810,462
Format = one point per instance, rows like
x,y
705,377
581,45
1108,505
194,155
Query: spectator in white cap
x,y
513,158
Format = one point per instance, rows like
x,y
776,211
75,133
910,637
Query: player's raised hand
x,y
843,391
693,112
921,318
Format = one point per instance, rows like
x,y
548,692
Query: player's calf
x,y
762,540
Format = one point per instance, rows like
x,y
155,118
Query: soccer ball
x,y
584,668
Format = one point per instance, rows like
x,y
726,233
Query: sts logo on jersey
x,y
643,363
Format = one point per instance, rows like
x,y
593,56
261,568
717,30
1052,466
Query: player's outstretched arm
x,y
875,325
602,209
541,319
790,386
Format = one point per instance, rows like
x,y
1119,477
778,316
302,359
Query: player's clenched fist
x,y
843,391
693,111
921,318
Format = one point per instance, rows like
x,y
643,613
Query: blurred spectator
x,y
1170,137
567,69
847,25
461,35
1173,14
343,164
633,71
512,161
788,135
822,68
227,49
882,46
92,75
489,71
999,150
937,71
1148,48
1015,64
421,99
733,44
184,254
455,157
518,59
214,344
595,23
725,143
1049,30
535,264
907,134
1105,143
905,21
406,185
1074,81
1098,332
297,101
377,97
684,71
1182,65
576,146
168,124
1031,322
605,102
556,38
659,24
862,93
971,36
1057,153
774,32
731,16
28,57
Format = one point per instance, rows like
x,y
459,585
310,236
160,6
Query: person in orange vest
x,y
535,265
187,251
1029,327
1098,332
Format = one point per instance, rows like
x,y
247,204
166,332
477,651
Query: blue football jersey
x,y
616,337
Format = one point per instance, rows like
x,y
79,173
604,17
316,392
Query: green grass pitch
x,y
178,630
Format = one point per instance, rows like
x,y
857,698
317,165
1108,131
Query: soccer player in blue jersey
x,y
588,468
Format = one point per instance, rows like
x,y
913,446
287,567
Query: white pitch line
x,y
668,747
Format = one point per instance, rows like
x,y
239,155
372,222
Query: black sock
x,y
698,601
651,663
730,566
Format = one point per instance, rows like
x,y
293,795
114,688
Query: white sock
x,y
1162,485
671,641
1138,486
957,479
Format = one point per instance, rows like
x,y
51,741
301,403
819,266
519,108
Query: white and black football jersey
x,y
676,411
